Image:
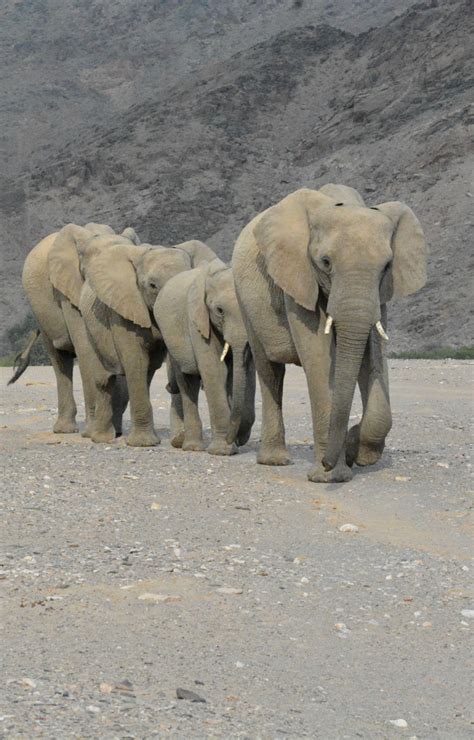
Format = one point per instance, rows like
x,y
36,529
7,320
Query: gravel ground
x,y
129,573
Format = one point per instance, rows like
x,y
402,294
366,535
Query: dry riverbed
x,y
131,573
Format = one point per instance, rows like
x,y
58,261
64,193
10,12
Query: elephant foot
x,y
273,456
221,447
103,437
359,452
65,426
339,474
138,438
243,437
193,445
177,440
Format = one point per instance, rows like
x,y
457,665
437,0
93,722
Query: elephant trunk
x,y
353,324
242,415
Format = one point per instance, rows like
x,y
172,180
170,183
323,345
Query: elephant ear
x,y
282,235
197,251
197,308
63,262
130,234
410,251
112,275
343,194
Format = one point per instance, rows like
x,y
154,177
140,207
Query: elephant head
x,y
213,306
358,258
198,252
128,277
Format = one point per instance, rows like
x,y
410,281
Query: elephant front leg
x,y
214,378
142,433
366,440
315,350
272,447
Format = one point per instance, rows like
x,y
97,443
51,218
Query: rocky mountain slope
x,y
185,119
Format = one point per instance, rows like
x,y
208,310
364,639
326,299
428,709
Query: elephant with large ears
x,y
120,289
313,276
53,282
200,320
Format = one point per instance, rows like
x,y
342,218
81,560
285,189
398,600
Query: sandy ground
x,y
129,573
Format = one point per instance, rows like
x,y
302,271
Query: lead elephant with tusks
x,y
200,320
313,275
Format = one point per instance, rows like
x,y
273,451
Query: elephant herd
x,y
309,284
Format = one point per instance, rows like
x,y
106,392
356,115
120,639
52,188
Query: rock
x,y
92,709
342,629
398,722
442,465
468,613
229,591
105,688
189,696
402,478
27,683
349,528
155,506
159,598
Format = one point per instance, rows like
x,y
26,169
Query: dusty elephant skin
x,y
199,317
313,275
116,301
53,281
130,573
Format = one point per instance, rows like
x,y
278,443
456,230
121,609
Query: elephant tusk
x,y
327,328
224,351
381,330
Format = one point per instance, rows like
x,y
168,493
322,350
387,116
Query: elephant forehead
x,y
164,259
353,224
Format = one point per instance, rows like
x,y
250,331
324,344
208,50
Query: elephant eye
x,y
153,285
326,263
387,267
219,310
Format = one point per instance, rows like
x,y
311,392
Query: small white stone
x,y
349,528
92,709
28,683
468,613
398,722
305,580
239,664
442,465
158,598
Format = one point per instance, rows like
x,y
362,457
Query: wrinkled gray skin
x,y
53,282
313,255
120,289
197,312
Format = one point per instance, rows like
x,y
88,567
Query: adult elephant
x,y
52,281
116,301
313,275
200,320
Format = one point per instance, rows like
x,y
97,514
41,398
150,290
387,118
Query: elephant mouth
x,y
378,325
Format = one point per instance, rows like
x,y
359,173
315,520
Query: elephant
x,y
52,281
116,301
313,275
199,318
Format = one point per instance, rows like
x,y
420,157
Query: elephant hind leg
x,y
189,386
119,403
270,375
63,364
103,428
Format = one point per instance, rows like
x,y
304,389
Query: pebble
x,y
342,629
28,683
402,478
442,465
230,591
398,722
189,695
92,709
155,506
159,598
349,528
468,613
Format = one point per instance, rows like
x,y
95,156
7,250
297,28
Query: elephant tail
x,y
22,359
